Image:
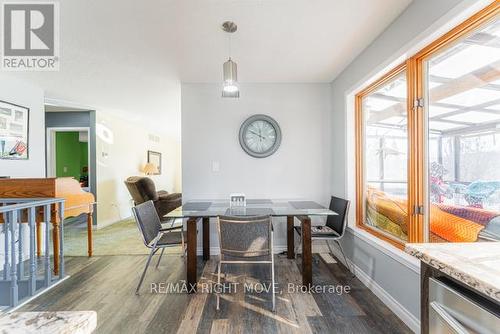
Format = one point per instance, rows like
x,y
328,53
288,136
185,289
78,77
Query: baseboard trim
x,y
409,319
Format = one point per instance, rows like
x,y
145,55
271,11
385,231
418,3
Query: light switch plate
x,y
215,166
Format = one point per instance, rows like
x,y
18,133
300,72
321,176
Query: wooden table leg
x,y
206,238
55,245
290,237
191,255
306,251
89,234
38,239
55,237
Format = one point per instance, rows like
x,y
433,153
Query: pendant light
x,y
230,87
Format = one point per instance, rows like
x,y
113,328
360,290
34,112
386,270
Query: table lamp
x,y
150,169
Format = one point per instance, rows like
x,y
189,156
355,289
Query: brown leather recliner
x,y
142,189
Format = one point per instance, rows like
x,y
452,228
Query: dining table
x,y
194,211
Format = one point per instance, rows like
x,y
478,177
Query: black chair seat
x,y
166,225
171,238
173,228
335,226
298,229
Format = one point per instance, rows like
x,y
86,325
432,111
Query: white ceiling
x,y
129,56
278,40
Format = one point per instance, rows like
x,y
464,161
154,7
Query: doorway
x,y
68,154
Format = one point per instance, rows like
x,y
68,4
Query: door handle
x,y
418,209
448,319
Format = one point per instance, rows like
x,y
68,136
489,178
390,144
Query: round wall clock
x,y
260,136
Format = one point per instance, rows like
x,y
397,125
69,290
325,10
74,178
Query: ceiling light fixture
x,y
230,87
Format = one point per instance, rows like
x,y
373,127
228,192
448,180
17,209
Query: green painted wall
x,y
84,155
70,153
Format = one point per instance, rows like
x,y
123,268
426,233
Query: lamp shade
x,y
230,76
150,169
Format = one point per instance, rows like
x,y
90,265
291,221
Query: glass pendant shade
x,y
230,76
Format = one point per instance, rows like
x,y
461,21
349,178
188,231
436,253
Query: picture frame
x,y
155,157
14,131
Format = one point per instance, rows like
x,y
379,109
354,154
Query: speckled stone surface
x,y
64,322
474,264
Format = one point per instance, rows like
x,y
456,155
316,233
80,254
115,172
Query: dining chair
x,y
154,235
245,240
335,226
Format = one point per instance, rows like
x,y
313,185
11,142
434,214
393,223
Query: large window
x,y
385,169
463,120
429,170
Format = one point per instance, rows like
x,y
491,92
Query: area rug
x,y
121,238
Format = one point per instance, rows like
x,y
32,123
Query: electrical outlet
x,y
65,169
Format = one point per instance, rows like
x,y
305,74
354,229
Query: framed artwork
x,y
14,123
155,158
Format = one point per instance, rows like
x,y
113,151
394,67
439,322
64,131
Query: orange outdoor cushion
x,y
395,209
453,228
443,224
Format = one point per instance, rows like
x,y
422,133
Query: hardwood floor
x,y
106,284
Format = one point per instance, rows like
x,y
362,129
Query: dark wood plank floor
x,y
106,284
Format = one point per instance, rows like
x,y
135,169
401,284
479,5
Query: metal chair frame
x,y
155,247
239,220
335,239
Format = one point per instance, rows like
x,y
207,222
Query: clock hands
x,y
255,133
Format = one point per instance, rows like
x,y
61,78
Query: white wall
x,y
126,154
121,149
396,274
210,127
25,94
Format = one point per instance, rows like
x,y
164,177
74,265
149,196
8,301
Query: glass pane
x,y
463,118
386,141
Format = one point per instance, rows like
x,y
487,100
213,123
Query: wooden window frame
x,y
415,78
359,143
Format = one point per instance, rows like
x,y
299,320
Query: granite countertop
x,y
475,264
64,322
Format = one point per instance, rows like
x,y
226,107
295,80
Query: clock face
x,y
260,136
